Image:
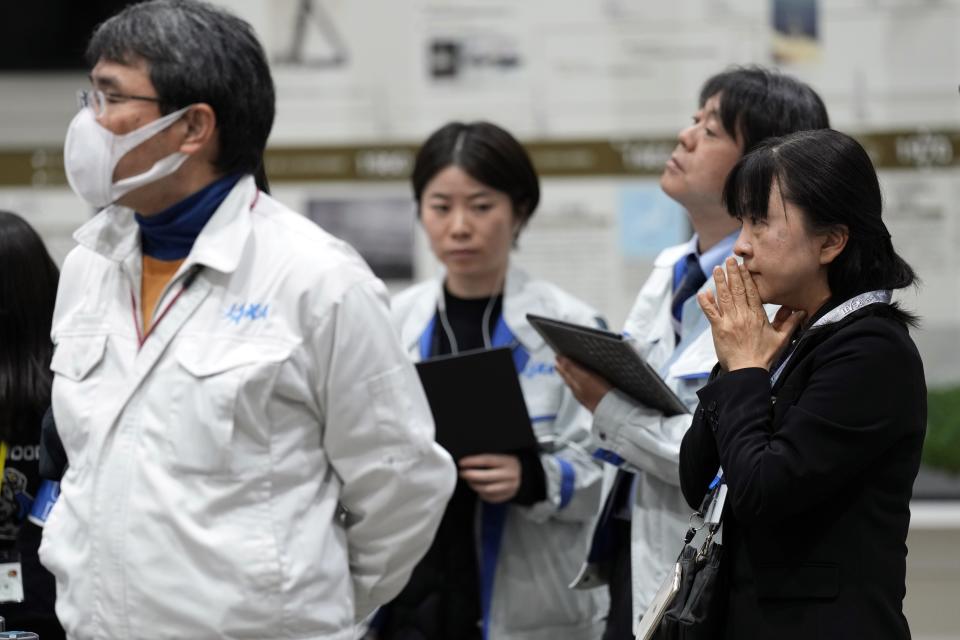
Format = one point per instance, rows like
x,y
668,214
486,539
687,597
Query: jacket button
x,y
712,407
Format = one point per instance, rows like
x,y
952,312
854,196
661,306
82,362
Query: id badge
x,y
712,517
11,577
47,496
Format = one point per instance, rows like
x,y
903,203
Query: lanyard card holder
x,y
688,603
11,570
11,577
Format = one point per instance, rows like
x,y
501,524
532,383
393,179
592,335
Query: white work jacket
x,y
263,465
529,555
643,441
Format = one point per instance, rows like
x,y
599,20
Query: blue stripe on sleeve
x,y
608,456
568,479
699,375
426,339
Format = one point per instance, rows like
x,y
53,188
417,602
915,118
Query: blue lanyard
x,y
717,479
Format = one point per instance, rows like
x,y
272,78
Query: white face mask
x,y
91,153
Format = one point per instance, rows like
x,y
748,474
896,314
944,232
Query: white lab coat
x,y
527,571
643,440
238,476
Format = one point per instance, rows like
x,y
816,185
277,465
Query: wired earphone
x,y
485,329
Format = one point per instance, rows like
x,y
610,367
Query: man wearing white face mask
x,y
92,177
240,420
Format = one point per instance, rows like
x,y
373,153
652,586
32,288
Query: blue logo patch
x,y
535,369
240,311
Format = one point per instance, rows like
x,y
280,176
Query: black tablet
x,y
612,357
477,403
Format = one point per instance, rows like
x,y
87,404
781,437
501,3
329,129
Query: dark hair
x,y
757,103
197,52
488,154
28,290
830,177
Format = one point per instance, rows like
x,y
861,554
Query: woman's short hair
x,y
830,177
28,291
488,154
758,103
197,52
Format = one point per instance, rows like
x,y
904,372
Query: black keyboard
x,y
609,355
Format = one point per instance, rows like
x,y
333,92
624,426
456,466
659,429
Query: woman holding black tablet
x,y
514,532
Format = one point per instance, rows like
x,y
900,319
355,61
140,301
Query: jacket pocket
x,y
76,356
208,385
76,368
537,563
811,580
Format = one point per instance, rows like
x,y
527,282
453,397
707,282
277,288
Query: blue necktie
x,y
691,282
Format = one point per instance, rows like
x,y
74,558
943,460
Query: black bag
x,y
692,604
698,610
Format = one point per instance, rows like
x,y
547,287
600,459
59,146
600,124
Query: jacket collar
x,y
114,234
669,256
421,315
833,312
518,300
650,319
710,258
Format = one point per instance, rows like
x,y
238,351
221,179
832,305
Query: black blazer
x,y
820,471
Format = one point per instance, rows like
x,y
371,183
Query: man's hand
x,y
494,477
587,387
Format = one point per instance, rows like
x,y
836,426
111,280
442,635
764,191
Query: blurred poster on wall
x,y
328,60
380,229
796,37
471,62
475,58
597,75
571,241
650,221
315,38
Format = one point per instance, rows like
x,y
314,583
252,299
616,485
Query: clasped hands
x,y
742,334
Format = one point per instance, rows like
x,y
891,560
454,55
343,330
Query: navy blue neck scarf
x,y
170,234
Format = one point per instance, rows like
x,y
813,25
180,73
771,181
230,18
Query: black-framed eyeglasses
x,y
99,100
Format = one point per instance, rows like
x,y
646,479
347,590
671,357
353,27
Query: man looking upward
x,y
645,516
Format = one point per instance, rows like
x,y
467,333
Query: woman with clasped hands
x,y
817,418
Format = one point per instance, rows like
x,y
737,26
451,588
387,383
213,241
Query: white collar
x,y
114,234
